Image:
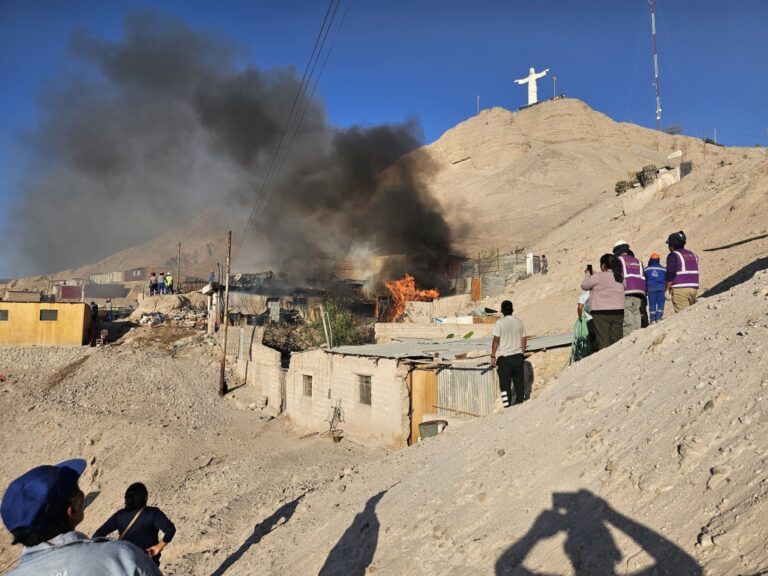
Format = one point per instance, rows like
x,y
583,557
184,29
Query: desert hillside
x,y
543,179
646,458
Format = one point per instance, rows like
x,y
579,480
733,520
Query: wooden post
x,y
178,271
222,380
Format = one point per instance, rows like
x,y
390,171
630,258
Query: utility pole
x,y
478,104
178,271
715,136
554,86
222,379
655,64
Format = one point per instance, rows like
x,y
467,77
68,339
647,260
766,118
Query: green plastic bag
x,y
580,347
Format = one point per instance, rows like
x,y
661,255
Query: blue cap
x,y
38,498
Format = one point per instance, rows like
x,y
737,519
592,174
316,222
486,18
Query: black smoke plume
x,y
163,124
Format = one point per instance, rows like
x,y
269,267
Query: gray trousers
x,y
632,317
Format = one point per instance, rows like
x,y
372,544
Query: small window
x,y
3,315
49,315
307,385
365,389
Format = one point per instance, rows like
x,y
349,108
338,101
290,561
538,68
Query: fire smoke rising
x,y
163,124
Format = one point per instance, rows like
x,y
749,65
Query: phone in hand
x,y
589,268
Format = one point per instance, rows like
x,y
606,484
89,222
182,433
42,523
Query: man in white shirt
x,y
507,354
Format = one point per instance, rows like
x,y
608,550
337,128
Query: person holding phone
x,y
606,298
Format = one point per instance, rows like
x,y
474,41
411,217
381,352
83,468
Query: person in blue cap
x,y
42,508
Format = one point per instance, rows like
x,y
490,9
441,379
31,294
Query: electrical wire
x,y
304,103
293,122
299,92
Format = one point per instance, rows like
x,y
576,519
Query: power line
x,y
264,199
291,113
291,125
307,102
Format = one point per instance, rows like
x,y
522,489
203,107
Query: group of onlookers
x,y
617,299
42,508
160,284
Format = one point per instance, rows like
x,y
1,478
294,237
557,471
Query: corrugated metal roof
x,y
444,349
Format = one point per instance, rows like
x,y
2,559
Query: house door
x,y
423,399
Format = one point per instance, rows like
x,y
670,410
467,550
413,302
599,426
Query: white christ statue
x,y
531,81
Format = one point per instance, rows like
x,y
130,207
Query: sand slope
x,y
649,454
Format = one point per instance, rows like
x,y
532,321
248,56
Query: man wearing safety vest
x,y
682,273
634,286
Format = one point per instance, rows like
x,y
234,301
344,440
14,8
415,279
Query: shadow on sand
x,y
354,552
738,277
734,244
584,518
280,517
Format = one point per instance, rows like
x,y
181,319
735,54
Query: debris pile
x,y
189,310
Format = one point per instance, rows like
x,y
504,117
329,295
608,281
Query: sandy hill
x,y
646,458
513,177
543,178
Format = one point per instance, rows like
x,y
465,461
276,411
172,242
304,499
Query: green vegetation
x,y
347,329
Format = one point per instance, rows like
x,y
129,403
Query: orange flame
x,y
403,291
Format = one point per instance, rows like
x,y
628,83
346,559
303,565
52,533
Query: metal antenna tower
x,y
655,64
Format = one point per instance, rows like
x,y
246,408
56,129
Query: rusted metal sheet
x,y
476,290
467,386
72,293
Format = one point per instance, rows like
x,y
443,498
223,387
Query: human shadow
x,y
738,277
354,552
528,379
261,529
589,545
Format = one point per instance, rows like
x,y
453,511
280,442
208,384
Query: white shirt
x,y
510,331
584,299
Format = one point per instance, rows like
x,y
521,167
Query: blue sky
x,y
430,59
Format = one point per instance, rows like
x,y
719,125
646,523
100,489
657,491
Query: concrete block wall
x,y
384,423
265,373
447,306
309,412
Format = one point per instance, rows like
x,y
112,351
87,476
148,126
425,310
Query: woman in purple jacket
x,y
606,300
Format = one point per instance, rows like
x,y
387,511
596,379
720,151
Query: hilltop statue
x,y
531,81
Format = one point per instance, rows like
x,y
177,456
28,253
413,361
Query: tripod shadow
x,y
261,529
589,545
353,553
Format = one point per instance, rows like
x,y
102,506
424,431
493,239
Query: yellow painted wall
x,y
24,326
